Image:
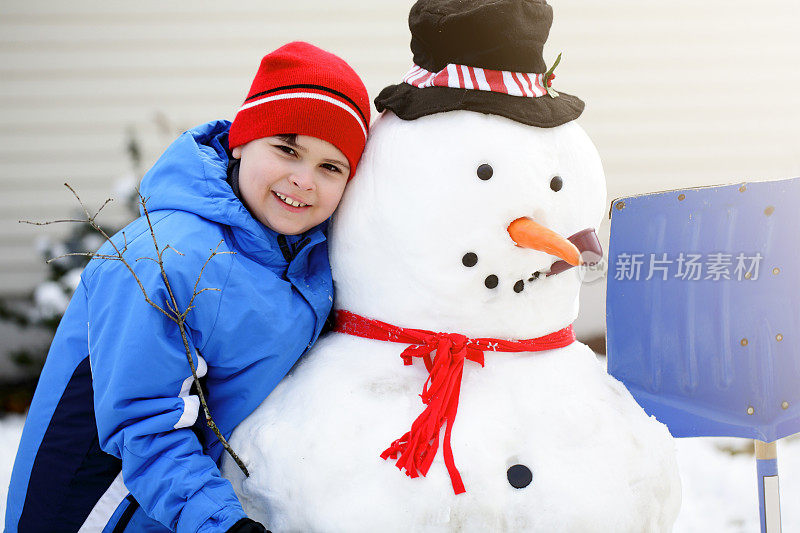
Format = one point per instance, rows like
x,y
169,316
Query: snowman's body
x,y
410,217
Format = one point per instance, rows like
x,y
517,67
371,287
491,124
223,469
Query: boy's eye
x,y
286,149
332,168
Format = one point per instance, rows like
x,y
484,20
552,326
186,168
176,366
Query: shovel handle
x,y
769,502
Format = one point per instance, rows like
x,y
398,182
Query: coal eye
x,y
519,476
485,171
556,183
470,259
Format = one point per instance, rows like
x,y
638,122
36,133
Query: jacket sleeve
x,y
141,379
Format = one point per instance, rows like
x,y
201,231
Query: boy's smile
x,y
289,201
291,183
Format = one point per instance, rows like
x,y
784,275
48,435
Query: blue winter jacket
x,y
113,440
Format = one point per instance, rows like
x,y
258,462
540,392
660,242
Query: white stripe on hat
x,y
530,85
526,86
417,75
452,76
467,77
312,96
483,85
415,69
429,80
511,84
536,83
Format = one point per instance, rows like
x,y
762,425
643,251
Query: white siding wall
x,y
678,93
76,76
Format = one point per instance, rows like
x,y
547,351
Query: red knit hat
x,y
301,89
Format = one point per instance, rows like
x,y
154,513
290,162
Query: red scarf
x,y
417,448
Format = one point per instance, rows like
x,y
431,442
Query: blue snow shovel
x,y
703,314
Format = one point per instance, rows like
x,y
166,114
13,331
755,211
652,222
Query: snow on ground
x,y
719,481
720,492
10,433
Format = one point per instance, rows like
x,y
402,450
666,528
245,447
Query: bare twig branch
x,y
89,220
179,318
174,304
206,289
51,222
108,201
67,185
90,255
169,247
214,253
171,304
173,310
209,421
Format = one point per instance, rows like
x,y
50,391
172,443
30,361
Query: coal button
x,y
485,171
519,476
470,259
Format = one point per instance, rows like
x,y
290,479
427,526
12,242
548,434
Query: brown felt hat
x,y
499,40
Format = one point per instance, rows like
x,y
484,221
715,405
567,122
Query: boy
x,y
113,440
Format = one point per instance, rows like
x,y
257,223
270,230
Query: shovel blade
x,y
706,335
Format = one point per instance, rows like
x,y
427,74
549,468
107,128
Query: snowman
x,y
452,395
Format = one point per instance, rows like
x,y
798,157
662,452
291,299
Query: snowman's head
x,y
421,237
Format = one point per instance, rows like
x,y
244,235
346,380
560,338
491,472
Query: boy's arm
x,y
141,380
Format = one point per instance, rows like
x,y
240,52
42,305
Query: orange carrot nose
x,y
528,234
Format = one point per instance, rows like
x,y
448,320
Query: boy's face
x,y
291,183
